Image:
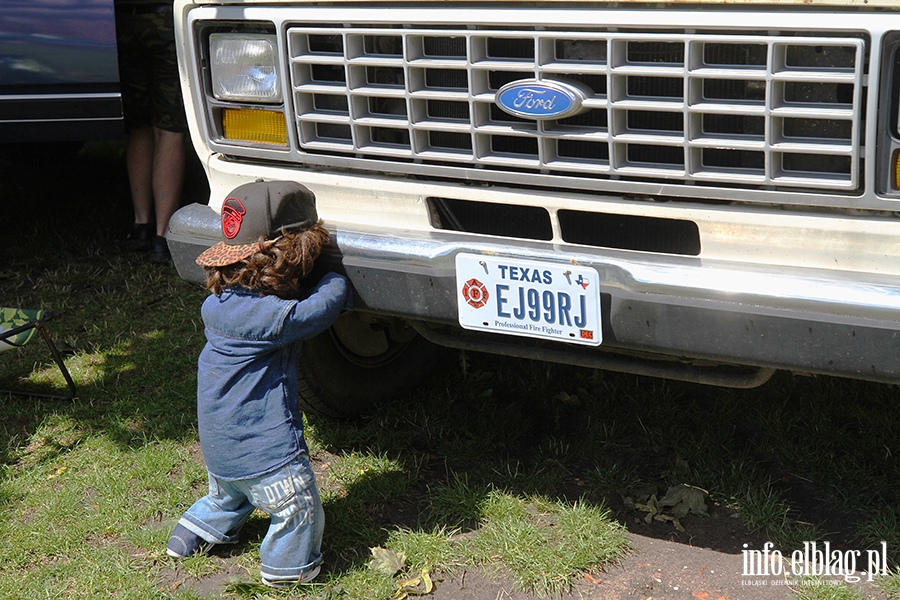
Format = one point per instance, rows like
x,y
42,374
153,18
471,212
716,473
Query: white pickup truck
x,y
704,191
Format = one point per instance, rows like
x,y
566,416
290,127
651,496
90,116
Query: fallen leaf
x,y
565,398
652,508
641,493
591,579
386,561
669,519
58,472
684,499
417,586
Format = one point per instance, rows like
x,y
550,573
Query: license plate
x,y
530,298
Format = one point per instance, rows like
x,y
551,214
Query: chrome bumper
x,y
811,320
800,319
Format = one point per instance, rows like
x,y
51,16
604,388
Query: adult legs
x,y
139,161
168,175
155,160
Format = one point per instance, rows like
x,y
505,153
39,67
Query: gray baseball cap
x,y
263,209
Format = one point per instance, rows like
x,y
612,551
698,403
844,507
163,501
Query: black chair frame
x,y
41,326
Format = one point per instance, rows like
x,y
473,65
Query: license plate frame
x,y
527,297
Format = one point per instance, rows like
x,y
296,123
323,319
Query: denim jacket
x,y
247,410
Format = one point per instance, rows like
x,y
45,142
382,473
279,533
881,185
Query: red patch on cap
x,y
232,215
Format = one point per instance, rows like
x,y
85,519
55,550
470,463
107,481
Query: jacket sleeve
x,y
315,314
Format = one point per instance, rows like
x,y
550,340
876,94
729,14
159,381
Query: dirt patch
x,y
176,580
657,569
661,568
704,562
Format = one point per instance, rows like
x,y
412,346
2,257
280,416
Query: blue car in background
x,y
59,73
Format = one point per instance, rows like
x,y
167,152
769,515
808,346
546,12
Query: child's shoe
x,y
183,543
284,583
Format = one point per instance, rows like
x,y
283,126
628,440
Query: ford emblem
x,y
542,99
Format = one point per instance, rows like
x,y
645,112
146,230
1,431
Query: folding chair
x,y
17,327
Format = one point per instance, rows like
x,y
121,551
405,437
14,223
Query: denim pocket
x,y
275,491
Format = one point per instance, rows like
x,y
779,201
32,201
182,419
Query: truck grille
x,y
751,110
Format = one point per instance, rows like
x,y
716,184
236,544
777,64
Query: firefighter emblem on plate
x,y
475,293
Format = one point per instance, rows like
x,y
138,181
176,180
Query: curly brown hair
x,y
277,269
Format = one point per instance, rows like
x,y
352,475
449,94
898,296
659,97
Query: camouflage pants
x,y
148,69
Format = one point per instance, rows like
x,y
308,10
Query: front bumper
x,y
807,319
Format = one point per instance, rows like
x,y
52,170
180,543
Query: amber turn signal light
x,y
251,125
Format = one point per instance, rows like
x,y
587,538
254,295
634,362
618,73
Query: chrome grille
x,y
753,110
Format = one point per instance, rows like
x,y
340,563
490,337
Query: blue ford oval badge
x,y
542,99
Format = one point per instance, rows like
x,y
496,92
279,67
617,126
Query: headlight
x,y
244,67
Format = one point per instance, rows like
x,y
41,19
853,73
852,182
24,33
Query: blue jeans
x,y
293,543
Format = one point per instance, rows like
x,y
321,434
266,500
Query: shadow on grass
x,y
133,387
130,330
821,447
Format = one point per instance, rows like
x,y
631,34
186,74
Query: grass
x,y
817,588
890,585
545,544
884,525
513,468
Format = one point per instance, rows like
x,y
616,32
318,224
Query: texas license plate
x,y
527,297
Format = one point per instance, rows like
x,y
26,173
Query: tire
x,y
347,370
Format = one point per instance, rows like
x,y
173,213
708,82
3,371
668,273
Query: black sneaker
x,y
159,253
140,238
183,543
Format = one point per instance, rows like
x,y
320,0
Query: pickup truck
x,y
704,191
59,71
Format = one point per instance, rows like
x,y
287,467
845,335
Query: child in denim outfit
x,y
251,430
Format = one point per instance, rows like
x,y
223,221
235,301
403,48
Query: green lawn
x,y
514,468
